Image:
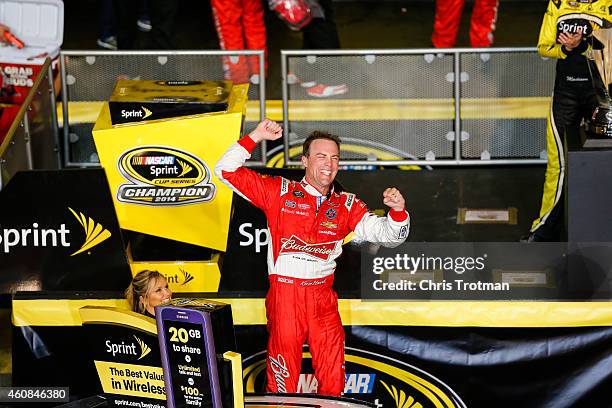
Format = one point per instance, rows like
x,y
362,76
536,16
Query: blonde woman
x,y
147,290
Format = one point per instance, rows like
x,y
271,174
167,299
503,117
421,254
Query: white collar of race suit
x,y
313,191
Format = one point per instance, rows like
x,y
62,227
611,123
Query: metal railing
x,y
420,107
32,140
88,79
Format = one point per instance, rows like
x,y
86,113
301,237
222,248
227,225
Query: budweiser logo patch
x,y
295,244
279,368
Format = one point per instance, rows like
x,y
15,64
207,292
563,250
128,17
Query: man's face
x,y
321,164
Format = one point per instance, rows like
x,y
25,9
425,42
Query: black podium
x,y
589,199
589,222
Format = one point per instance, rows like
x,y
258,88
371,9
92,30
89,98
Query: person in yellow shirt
x,y
566,35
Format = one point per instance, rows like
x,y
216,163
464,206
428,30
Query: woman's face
x,y
157,292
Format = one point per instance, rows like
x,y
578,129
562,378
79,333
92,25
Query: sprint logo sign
x,y
128,349
182,279
55,237
94,233
141,114
164,176
144,348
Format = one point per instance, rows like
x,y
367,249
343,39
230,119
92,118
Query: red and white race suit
x,y
307,230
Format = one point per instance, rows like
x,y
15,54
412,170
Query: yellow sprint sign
x,y
131,379
160,172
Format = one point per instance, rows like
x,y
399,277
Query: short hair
x,y
138,287
318,134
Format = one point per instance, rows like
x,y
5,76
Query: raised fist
x,y
394,199
267,130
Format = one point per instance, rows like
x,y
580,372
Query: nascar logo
x,y
354,384
149,160
164,176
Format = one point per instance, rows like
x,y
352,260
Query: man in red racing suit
x,y
240,26
308,222
448,18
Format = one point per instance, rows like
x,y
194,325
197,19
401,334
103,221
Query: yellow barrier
x,y
368,109
64,312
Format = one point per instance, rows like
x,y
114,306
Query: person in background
x,y
321,33
315,19
108,23
107,38
162,15
147,290
566,34
144,20
240,26
448,18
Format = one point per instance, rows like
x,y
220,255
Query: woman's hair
x,y
138,287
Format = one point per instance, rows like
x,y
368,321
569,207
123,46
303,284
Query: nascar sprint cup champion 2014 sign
x,y
159,172
164,176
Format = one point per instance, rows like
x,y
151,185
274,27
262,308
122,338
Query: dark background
x,y
361,25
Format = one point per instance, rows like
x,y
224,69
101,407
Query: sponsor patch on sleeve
x,y
284,186
350,199
403,233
